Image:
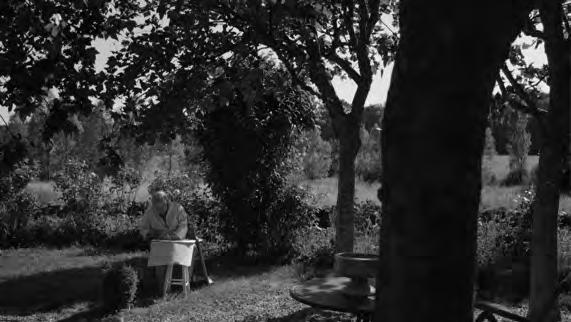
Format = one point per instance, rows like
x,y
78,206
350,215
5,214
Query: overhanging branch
x,y
346,66
348,19
530,30
529,107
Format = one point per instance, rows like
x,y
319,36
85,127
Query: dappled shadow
x,y
55,290
49,291
231,266
304,315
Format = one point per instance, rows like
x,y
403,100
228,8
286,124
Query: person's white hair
x,y
159,195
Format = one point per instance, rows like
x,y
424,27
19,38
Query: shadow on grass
x,y
54,290
49,291
307,314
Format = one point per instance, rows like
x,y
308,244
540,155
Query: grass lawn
x,y
52,285
63,285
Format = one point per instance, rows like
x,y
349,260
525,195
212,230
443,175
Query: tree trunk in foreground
x,y
433,137
552,159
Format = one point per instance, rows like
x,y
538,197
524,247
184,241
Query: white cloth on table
x,y
169,252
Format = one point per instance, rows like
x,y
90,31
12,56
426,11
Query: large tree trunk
x,y
433,136
552,158
349,144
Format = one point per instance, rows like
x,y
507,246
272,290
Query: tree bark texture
x,y
346,127
349,144
433,136
552,159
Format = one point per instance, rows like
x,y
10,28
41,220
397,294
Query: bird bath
x,y
359,268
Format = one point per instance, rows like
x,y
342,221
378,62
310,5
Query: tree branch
x,y
500,83
363,24
374,9
348,19
567,27
529,107
529,29
346,66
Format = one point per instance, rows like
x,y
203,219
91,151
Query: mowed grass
x,y
65,285
42,284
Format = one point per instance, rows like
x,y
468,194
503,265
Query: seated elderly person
x,y
164,219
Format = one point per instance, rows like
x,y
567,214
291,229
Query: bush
x,y
245,144
317,155
16,205
314,249
488,176
119,287
518,148
368,160
367,217
504,237
516,177
288,214
564,251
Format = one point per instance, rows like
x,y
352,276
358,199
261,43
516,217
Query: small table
x,y
169,252
326,293
180,252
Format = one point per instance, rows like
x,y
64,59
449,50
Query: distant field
x,y
325,189
44,191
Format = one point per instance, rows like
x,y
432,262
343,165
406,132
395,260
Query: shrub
x,y
208,214
16,205
119,287
504,237
564,254
317,155
516,177
324,216
245,144
313,251
518,148
367,217
488,176
288,214
368,160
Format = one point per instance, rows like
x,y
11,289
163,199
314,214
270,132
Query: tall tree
x,y
47,46
552,162
314,40
553,124
432,142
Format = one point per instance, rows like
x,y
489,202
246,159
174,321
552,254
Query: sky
x,y
345,87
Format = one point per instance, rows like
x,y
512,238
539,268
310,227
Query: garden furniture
x,y
490,310
176,252
327,294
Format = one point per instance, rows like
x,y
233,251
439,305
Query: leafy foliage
x,y
314,154
16,205
368,161
119,287
245,144
504,237
488,177
518,149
